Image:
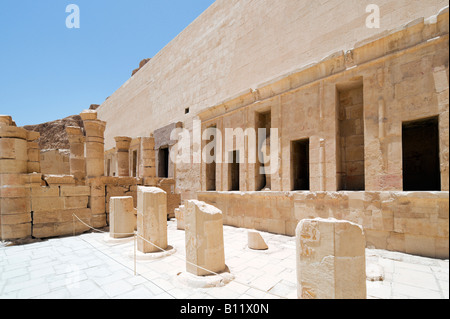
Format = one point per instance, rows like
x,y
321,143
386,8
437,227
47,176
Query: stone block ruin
x,y
36,205
361,138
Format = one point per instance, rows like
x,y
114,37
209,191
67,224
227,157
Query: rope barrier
x,y
128,267
136,235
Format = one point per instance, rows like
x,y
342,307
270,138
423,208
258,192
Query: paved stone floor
x,y
90,267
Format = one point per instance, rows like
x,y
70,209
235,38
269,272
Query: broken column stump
x,y
255,241
122,219
204,239
77,158
151,219
330,260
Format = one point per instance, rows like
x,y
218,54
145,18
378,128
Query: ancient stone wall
x,y
411,222
50,205
265,211
53,206
55,162
234,47
387,83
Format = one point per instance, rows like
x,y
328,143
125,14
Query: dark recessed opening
x,y
186,111
134,164
262,178
233,172
108,167
421,165
163,163
300,165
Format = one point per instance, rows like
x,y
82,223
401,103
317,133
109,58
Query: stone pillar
x,y
15,212
95,144
77,159
122,219
151,219
97,201
33,152
204,238
330,260
123,155
179,215
148,159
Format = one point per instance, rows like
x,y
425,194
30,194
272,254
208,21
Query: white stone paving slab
x,y
87,267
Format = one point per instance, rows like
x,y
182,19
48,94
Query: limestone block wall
x,y
43,205
53,206
265,211
351,107
15,216
54,162
411,222
234,47
32,204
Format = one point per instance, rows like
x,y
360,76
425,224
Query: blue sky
x,y
48,71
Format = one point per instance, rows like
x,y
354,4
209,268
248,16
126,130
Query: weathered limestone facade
x,y
361,117
56,162
331,260
347,123
236,46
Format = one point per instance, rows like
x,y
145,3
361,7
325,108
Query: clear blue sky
x,y
48,71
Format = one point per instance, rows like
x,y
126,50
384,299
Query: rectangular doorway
x,y
351,161
300,165
234,171
263,122
421,164
163,162
135,164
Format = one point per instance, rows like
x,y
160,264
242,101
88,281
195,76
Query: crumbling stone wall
x,y
42,206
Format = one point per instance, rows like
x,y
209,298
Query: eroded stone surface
x,y
204,239
330,260
151,219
